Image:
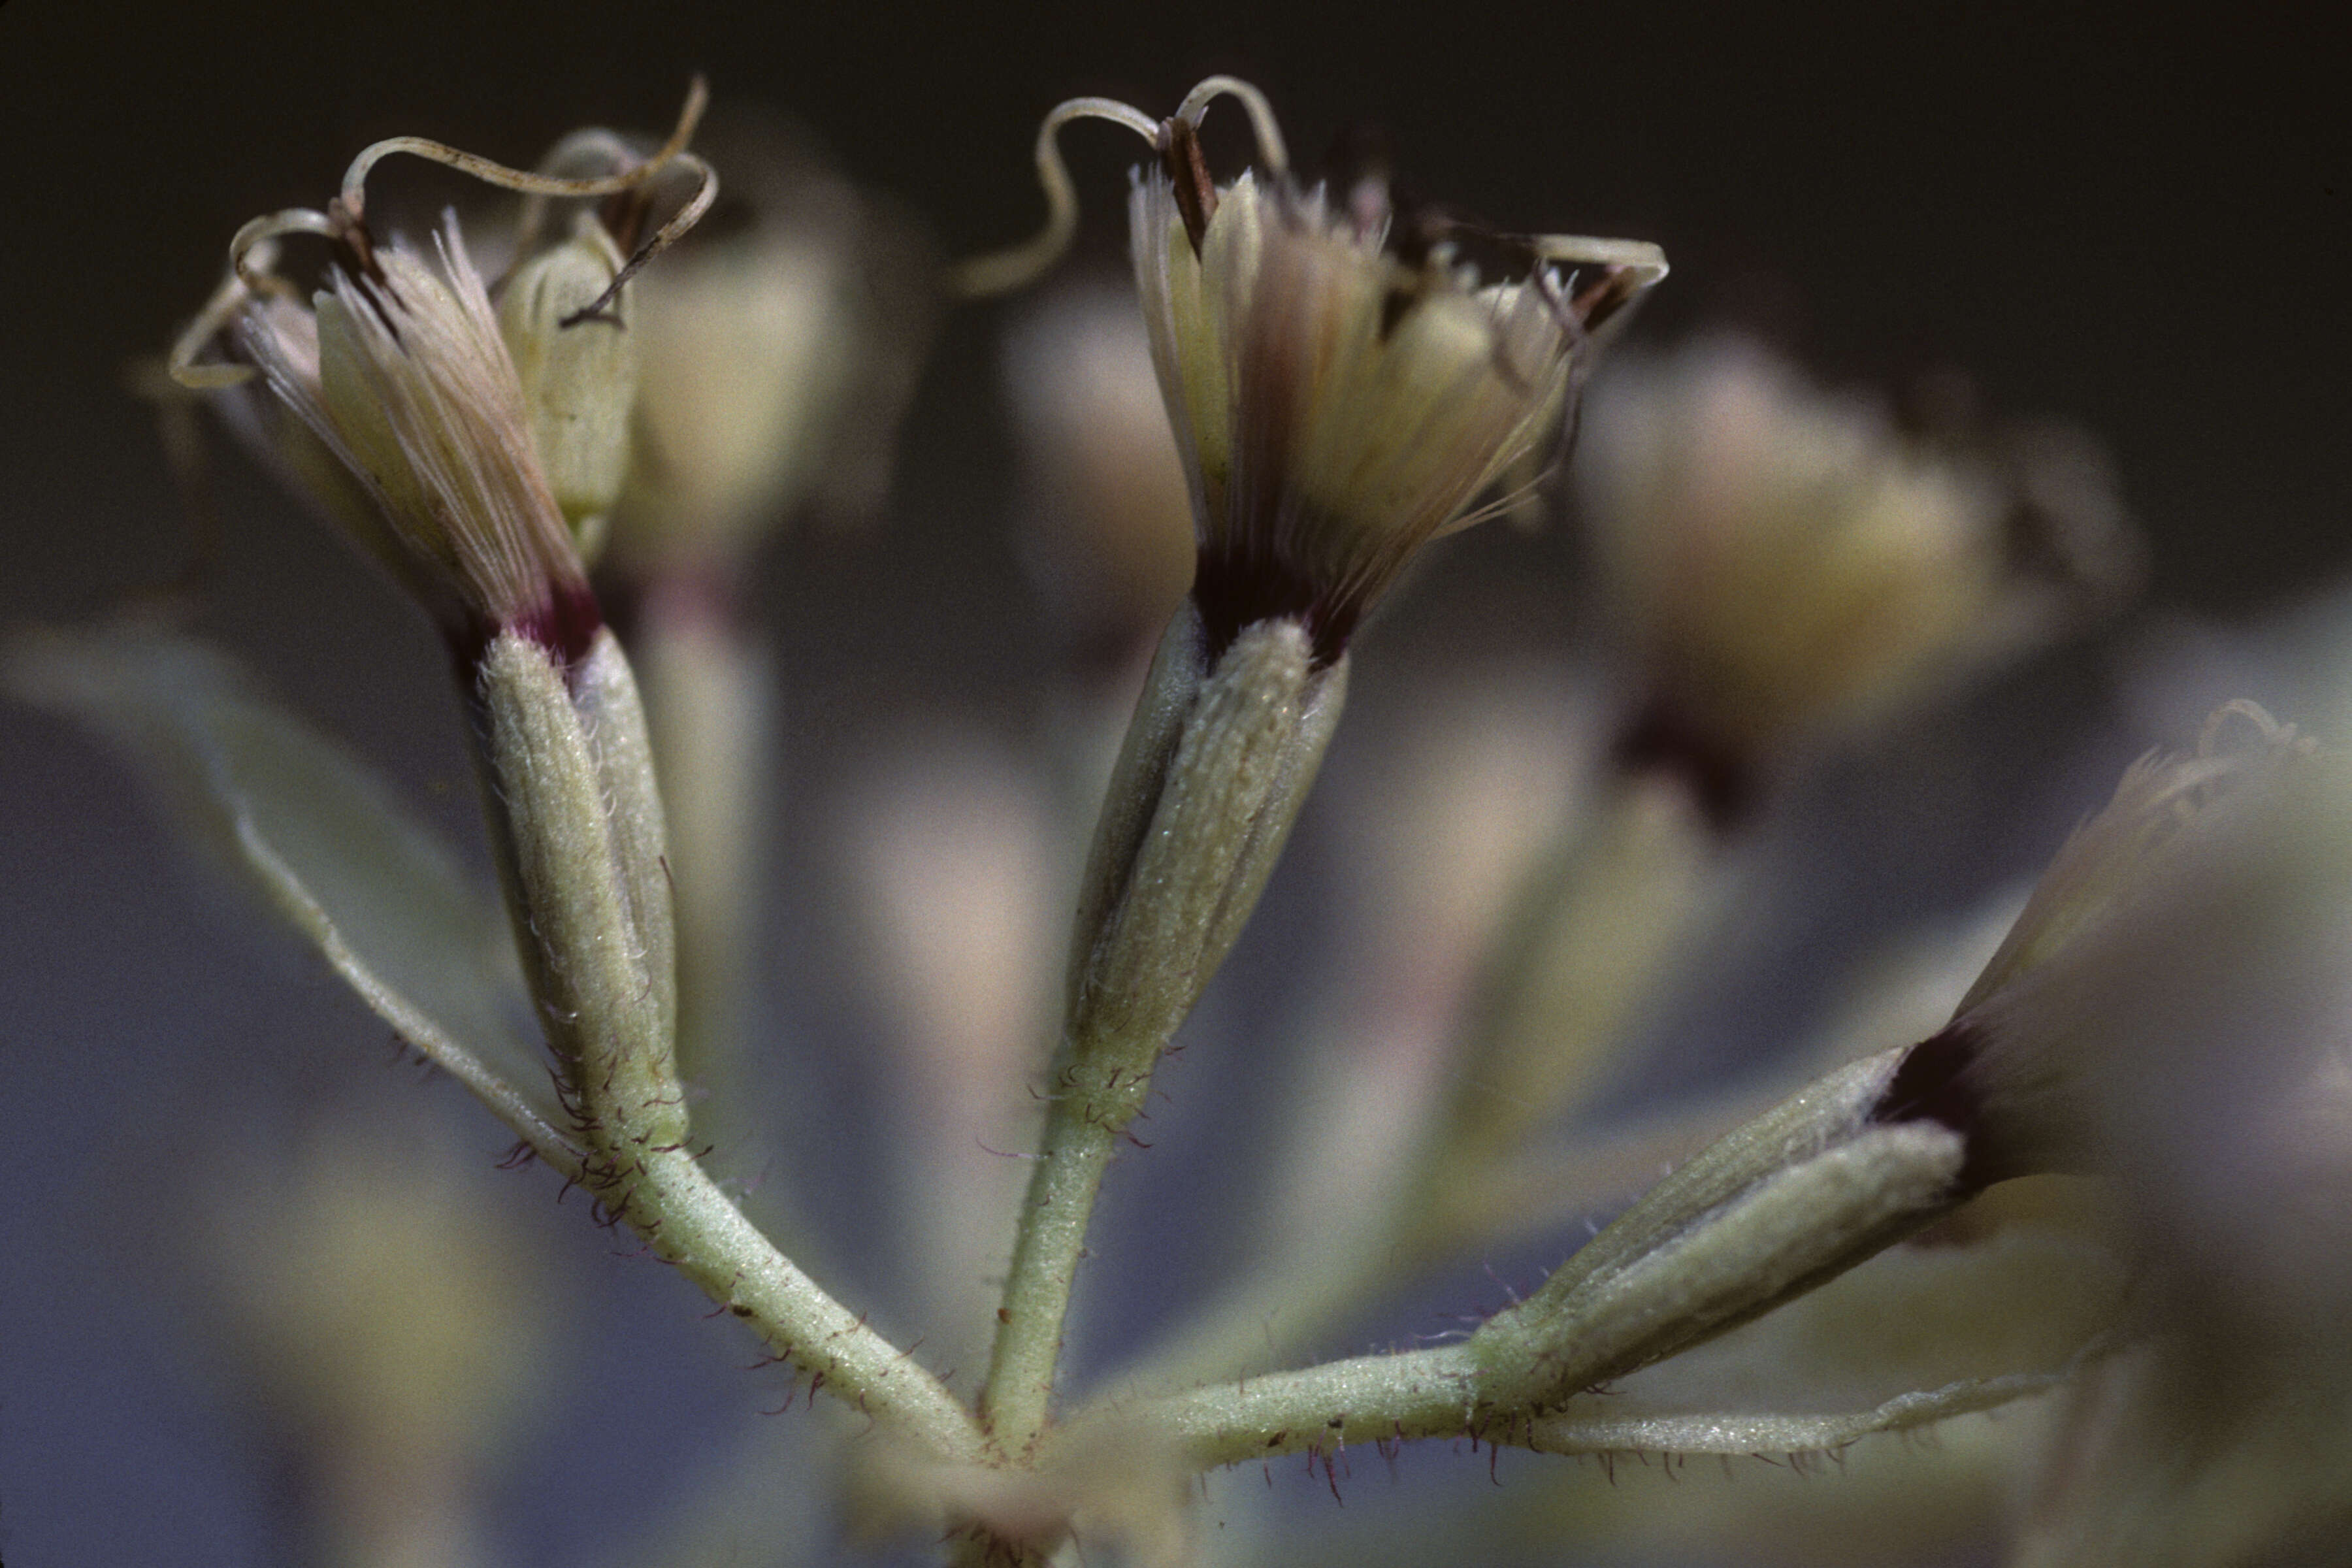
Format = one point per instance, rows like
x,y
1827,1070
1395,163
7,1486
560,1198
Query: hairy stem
x,y
1301,1294
1369,1399
1440,1394
1071,1157
1217,761
684,1218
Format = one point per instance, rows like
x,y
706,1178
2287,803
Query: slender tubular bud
x,y
1342,390
567,759
1804,1192
1215,768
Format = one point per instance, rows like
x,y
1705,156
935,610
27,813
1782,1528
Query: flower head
x,y
1343,384
578,367
2194,856
400,372
2171,1013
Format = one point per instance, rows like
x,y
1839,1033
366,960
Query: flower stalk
x,y
1810,1188
473,451
1216,764
1343,390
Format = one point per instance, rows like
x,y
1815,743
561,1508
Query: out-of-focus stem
x,y
708,694
1279,1312
397,1515
1601,920
709,700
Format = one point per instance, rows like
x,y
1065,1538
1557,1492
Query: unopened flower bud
x,y
1803,1192
582,842
577,368
1217,763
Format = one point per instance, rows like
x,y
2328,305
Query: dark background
x,y
2139,225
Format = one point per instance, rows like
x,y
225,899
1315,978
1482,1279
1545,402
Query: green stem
x,y
1440,1394
1216,763
1369,1399
684,1218
1071,1157
1779,1206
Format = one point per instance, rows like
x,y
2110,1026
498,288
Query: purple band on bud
x,y
1237,589
1935,1083
565,625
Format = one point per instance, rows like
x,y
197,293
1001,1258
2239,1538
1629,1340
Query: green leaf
x,y
319,837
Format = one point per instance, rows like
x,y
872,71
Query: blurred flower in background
x,y
391,1323
2193,1040
776,354
1107,519
960,881
1780,564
